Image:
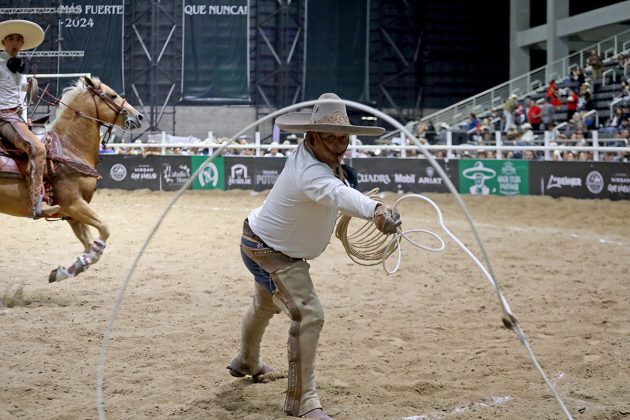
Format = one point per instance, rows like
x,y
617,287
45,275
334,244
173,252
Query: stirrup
x,y
46,211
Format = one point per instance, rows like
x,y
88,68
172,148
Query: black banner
x,y
96,29
216,51
403,175
175,172
249,173
130,172
580,179
337,49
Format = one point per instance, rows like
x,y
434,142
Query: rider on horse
x,y
17,35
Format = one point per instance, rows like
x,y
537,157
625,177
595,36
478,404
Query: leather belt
x,y
247,231
11,110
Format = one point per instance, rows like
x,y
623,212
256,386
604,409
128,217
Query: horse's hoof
x,y
58,274
53,276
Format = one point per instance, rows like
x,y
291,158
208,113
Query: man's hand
x,y
386,219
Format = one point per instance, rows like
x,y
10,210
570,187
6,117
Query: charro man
x,y
293,225
19,35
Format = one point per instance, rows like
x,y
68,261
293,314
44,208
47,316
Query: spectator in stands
x,y
586,88
586,104
273,151
625,90
443,133
512,133
597,64
584,156
520,114
508,111
473,122
534,115
430,133
577,78
529,155
572,103
568,155
552,94
548,115
287,152
621,63
528,134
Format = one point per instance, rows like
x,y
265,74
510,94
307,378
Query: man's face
x,y
13,44
336,143
329,147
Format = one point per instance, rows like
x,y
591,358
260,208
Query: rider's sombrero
x,y
33,33
327,117
471,173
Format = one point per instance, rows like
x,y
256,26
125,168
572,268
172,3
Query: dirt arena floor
x,y
424,343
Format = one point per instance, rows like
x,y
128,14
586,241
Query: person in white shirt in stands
x,y
19,35
293,225
273,151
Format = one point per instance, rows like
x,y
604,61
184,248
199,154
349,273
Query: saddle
x,y
13,162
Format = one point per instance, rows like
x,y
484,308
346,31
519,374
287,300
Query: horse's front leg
x,y
82,217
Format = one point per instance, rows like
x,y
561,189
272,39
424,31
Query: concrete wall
x,y
223,121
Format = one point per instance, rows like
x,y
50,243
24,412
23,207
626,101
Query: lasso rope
x,y
508,319
368,246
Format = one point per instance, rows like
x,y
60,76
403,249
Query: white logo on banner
x,y
595,182
209,175
238,175
118,172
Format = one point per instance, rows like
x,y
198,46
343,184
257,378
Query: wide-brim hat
x,y
471,173
33,33
326,117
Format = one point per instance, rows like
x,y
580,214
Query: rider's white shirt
x,y
299,215
9,85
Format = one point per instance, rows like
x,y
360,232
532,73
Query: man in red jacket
x,y
534,115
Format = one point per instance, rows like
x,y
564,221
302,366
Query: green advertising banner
x,y
496,177
96,29
211,177
216,51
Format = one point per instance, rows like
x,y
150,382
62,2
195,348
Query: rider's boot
x,y
36,191
41,210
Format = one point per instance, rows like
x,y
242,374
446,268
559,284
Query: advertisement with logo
x,y
176,171
403,175
129,172
581,179
251,173
211,176
496,177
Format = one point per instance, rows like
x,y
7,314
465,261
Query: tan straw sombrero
x,y
327,117
33,33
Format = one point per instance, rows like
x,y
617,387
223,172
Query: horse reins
x,y
94,91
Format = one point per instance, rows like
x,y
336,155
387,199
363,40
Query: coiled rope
x,y
368,246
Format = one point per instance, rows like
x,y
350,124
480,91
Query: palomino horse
x,y
72,145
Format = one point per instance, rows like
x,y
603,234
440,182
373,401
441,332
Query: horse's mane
x,y
69,93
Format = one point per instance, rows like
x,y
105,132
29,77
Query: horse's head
x,y
111,108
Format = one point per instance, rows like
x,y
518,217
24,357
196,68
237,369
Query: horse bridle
x,y
118,109
94,91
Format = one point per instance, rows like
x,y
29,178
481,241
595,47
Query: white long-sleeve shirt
x,y
299,215
10,86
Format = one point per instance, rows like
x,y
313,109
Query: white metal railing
x,y
547,144
528,83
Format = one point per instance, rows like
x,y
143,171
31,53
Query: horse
x,y
72,142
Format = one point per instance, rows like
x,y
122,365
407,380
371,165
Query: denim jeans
x,y
260,275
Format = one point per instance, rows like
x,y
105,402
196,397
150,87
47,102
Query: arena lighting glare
x,y
509,320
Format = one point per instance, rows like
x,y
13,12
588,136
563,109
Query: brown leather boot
x,y
41,210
